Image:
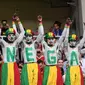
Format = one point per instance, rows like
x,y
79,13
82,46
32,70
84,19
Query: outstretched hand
x,y
39,18
68,21
15,17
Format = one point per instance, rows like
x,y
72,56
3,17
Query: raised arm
x,y
65,33
21,35
0,28
40,30
80,45
2,41
0,31
14,26
82,51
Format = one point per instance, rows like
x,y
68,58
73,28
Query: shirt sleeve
x,y
21,35
2,41
64,34
80,45
14,26
40,36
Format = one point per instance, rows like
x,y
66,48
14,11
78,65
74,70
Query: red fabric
x,y
40,58
42,72
39,46
16,75
82,79
39,77
59,77
0,73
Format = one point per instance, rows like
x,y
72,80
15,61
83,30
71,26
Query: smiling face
x,y
60,63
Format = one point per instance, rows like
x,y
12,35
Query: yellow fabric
x,y
52,75
32,70
74,36
75,76
10,80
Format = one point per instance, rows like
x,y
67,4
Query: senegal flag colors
x,y
52,76
0,73
74,76
10,74
31,74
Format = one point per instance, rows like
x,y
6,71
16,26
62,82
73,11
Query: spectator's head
x,y
28,36
57,25
4,24
39,52
73,40
60,63
50,38
20,67
41,64
10,33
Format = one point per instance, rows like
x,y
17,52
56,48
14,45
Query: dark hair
x,y
58,23
4,21
60,59
39,61
38,52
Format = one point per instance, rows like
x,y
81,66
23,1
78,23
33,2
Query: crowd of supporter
x,y
62,61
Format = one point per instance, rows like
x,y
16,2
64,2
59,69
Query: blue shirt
x,y
57,32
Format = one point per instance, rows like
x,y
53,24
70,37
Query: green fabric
x,y
51,59
10,55
70,38
29,54
47,35
10,31
67,80
73,58
24,76
46,74
4,74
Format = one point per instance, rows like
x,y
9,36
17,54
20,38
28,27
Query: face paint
x,y
72,43
29,39
51,41
11,37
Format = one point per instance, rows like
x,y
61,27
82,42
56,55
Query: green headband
x,y
10,31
